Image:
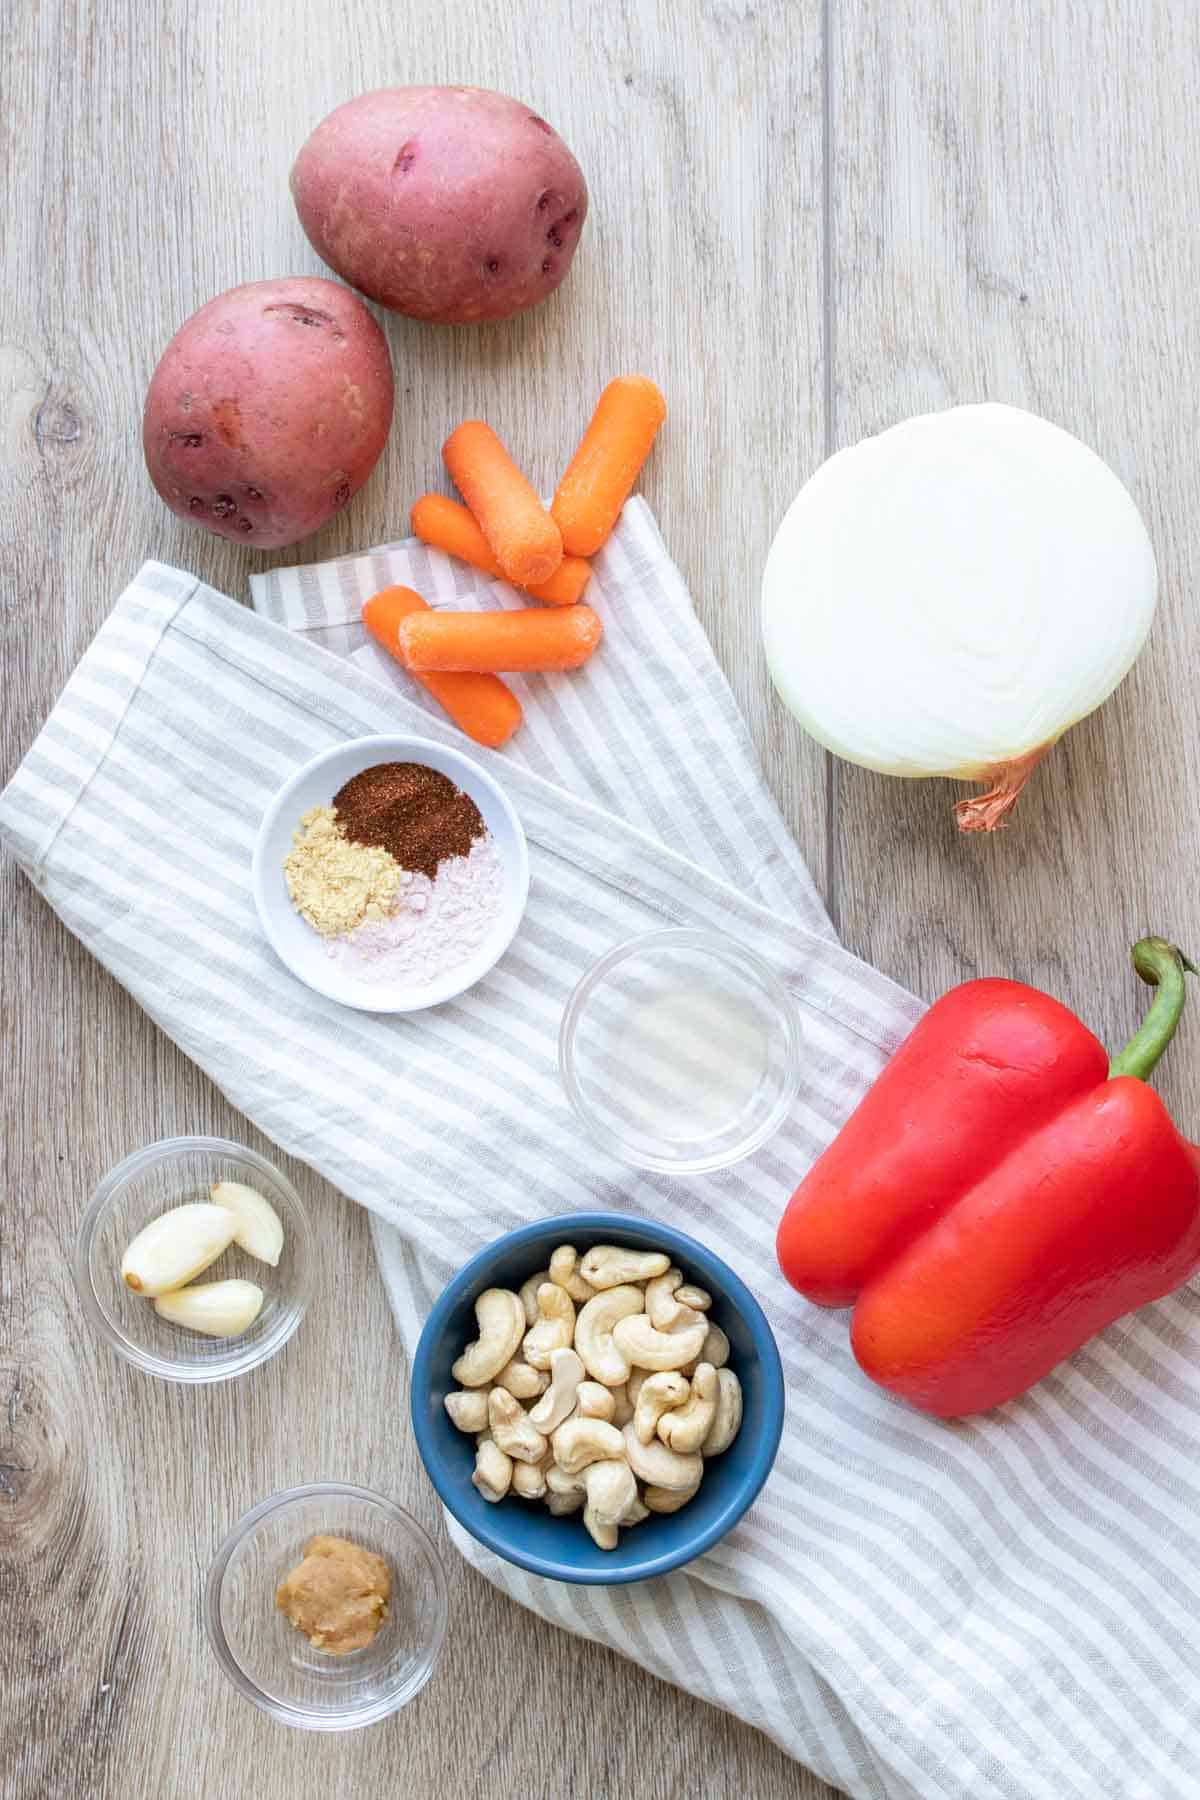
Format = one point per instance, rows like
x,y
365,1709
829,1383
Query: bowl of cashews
x,y
597,1398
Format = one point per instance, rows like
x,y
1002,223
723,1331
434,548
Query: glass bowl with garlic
x,y
194,1259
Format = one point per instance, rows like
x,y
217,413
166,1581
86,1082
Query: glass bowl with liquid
x,y
680,1051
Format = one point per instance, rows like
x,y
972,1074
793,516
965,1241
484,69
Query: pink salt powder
x,y
435,925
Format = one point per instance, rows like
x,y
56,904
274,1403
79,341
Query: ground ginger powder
x,y
334,883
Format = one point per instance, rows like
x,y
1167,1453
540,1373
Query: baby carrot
x,y
450,527
529,639
480,705
600,476
524,538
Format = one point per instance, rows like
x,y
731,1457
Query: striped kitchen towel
x,y
1002,1607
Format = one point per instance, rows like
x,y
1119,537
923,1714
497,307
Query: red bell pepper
x,y
1001,1194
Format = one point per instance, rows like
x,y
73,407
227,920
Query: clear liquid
x,y
676,1051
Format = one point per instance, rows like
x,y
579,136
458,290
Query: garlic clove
x,y
259,1229
176,1246
219,1309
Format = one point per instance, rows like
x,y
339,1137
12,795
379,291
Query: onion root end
x,y
989,812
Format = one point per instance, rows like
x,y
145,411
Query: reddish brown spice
x,y
415,813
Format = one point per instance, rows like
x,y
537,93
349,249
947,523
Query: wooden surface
x,y
807,221
1015,198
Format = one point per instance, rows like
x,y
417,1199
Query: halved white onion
x,y
949,597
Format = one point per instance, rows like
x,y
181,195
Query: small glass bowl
x,y
680,1051
273,1664
150,1182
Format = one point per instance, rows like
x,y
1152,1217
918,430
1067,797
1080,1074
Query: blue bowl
x,y
523,1531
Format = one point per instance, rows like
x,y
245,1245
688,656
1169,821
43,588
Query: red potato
x,y
446,203
268,410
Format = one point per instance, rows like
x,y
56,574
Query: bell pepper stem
x,y
1160,965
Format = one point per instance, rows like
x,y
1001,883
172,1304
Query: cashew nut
x,y
611,1490
633,1387
661,1467
622,1406
528,1293
595,1401
565,1274
662,1302
685,1428
667,1500
566,1373
555,1325
611,1496
659,1394
714,1350
529,1480
583,1441
562,1482
660,1307
468,1409
493,1471
637,1340
636,1513
511,1428
594,1333
604,1535
607,1266
501,1320
564,1493
728,1418
698,1298
522,1381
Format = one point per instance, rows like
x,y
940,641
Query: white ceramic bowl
x,y
295,942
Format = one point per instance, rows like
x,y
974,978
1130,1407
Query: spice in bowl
x,y
400,874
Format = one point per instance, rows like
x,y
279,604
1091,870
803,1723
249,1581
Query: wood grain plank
x,y
1016,190
145,160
